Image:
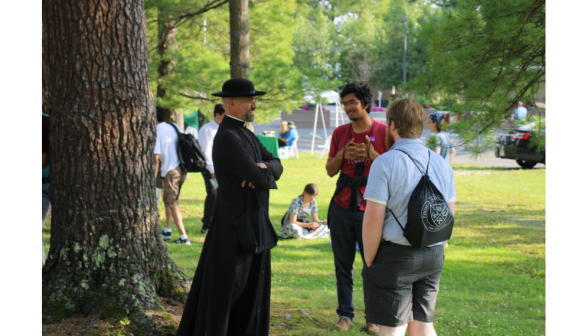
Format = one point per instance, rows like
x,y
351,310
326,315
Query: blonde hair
x,y
409,117
283,127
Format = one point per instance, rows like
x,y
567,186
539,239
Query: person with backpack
x,y
410,199
166,151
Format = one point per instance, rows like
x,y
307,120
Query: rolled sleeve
x,y
385,203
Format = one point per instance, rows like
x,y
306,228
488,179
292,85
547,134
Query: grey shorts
x,y
402,284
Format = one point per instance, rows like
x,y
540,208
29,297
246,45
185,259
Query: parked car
x,y
514,144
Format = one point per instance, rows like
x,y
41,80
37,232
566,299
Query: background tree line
x,y
298,48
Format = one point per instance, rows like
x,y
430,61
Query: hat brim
x,y
238,94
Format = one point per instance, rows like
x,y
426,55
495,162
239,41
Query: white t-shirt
x,y
165,146
205,137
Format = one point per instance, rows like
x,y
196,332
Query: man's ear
x,y
392,125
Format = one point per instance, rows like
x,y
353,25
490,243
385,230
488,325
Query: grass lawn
x,y
493,282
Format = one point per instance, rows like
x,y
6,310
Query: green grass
x,y
493,282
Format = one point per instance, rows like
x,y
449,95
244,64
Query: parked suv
x,y
514,144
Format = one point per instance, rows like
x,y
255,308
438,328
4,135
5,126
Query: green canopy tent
x,y
192,120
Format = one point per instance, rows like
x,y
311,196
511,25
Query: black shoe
x,y
203,230
166,235
181,241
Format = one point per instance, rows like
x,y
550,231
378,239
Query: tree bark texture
x,y
239,31
167,30
106,257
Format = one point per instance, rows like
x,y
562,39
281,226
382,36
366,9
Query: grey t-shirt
x,y
442,141
393,177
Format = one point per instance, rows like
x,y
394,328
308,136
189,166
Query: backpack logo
x,y
435,214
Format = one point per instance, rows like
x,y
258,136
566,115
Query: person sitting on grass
x,y
295,223
443,146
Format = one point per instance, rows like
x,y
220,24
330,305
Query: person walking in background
x,y
206,135
45,183
294,222
172,174
401,282
288,134
230,293
354,147
443,146
520,113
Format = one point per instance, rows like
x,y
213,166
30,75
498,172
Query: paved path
x,y
305,140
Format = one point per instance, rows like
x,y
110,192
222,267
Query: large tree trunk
x,y
165,35
106,256
239,31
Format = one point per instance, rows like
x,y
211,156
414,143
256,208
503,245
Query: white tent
x,y
331,96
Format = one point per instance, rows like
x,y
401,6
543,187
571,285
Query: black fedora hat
x,y
238,87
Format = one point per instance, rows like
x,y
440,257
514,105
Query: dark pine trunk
x,y
165,36
106,256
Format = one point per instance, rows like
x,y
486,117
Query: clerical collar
x,y
241,121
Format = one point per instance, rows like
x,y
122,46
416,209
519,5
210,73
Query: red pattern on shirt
x,y
339,139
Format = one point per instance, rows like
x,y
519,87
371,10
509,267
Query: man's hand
x,y
251,185
262,165
371,150
213,175
354,151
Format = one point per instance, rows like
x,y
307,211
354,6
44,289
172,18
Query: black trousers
x,y
281,143
209,201
346,226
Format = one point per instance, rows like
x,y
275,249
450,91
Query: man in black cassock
x,y
230,294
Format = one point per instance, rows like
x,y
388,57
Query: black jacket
x,y
230,293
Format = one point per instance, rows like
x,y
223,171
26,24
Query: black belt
x,y
408,246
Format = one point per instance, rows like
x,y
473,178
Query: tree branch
x,y
192,97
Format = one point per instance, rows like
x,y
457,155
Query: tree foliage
x,y
316,52
364,40
298,48
488,55
199,60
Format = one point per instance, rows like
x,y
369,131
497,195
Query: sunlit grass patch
x,y
493,282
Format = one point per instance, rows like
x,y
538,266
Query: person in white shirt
x,y
172,174
206,137
520,113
